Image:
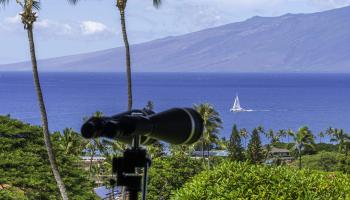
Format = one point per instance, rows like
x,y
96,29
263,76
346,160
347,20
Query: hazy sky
x,y
63,29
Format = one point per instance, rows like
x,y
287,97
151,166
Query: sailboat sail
x,y
236,106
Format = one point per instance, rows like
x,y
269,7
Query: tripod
x,y
126,169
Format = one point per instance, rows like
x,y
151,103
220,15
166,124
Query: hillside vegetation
x,y
233,180
323,161
25,172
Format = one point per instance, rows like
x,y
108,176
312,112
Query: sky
x,y
92,25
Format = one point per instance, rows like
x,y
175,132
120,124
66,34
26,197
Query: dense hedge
x,y
233,180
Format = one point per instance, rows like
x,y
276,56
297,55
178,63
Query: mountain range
x,y
317,42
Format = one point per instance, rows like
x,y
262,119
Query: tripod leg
x,y
145,177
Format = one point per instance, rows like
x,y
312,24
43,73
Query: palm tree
x,y
282,134
303,138
321,135
28,17
71,142
212,124
121,4
343,139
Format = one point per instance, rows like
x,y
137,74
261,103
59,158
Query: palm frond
x,y
36,5
74,2
347,136
157,3
321,134
291,133
311,145
4,2
330,131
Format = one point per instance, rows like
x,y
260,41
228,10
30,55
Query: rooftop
x,y
279,150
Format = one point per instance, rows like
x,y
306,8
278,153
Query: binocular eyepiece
x,y
175,126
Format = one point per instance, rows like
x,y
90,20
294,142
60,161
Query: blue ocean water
x,y
278,101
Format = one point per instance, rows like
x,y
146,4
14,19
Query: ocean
x,y
278,101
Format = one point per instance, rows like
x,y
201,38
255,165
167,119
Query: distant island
x,y
317,42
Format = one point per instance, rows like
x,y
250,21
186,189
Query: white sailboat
x,y
237,106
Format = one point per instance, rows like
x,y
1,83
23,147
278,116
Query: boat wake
x,y
251,110
263,110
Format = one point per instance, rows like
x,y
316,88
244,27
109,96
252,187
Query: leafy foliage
x,y
9,192
24,164
170,173
70,141
156,150
237,180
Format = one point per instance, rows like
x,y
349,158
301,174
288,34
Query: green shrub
x,y
24,165
233,180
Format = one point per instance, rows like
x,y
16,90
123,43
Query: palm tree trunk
x,y
208,150
128,62
44,120
203,159
128,69
91,158
268,149
299,160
